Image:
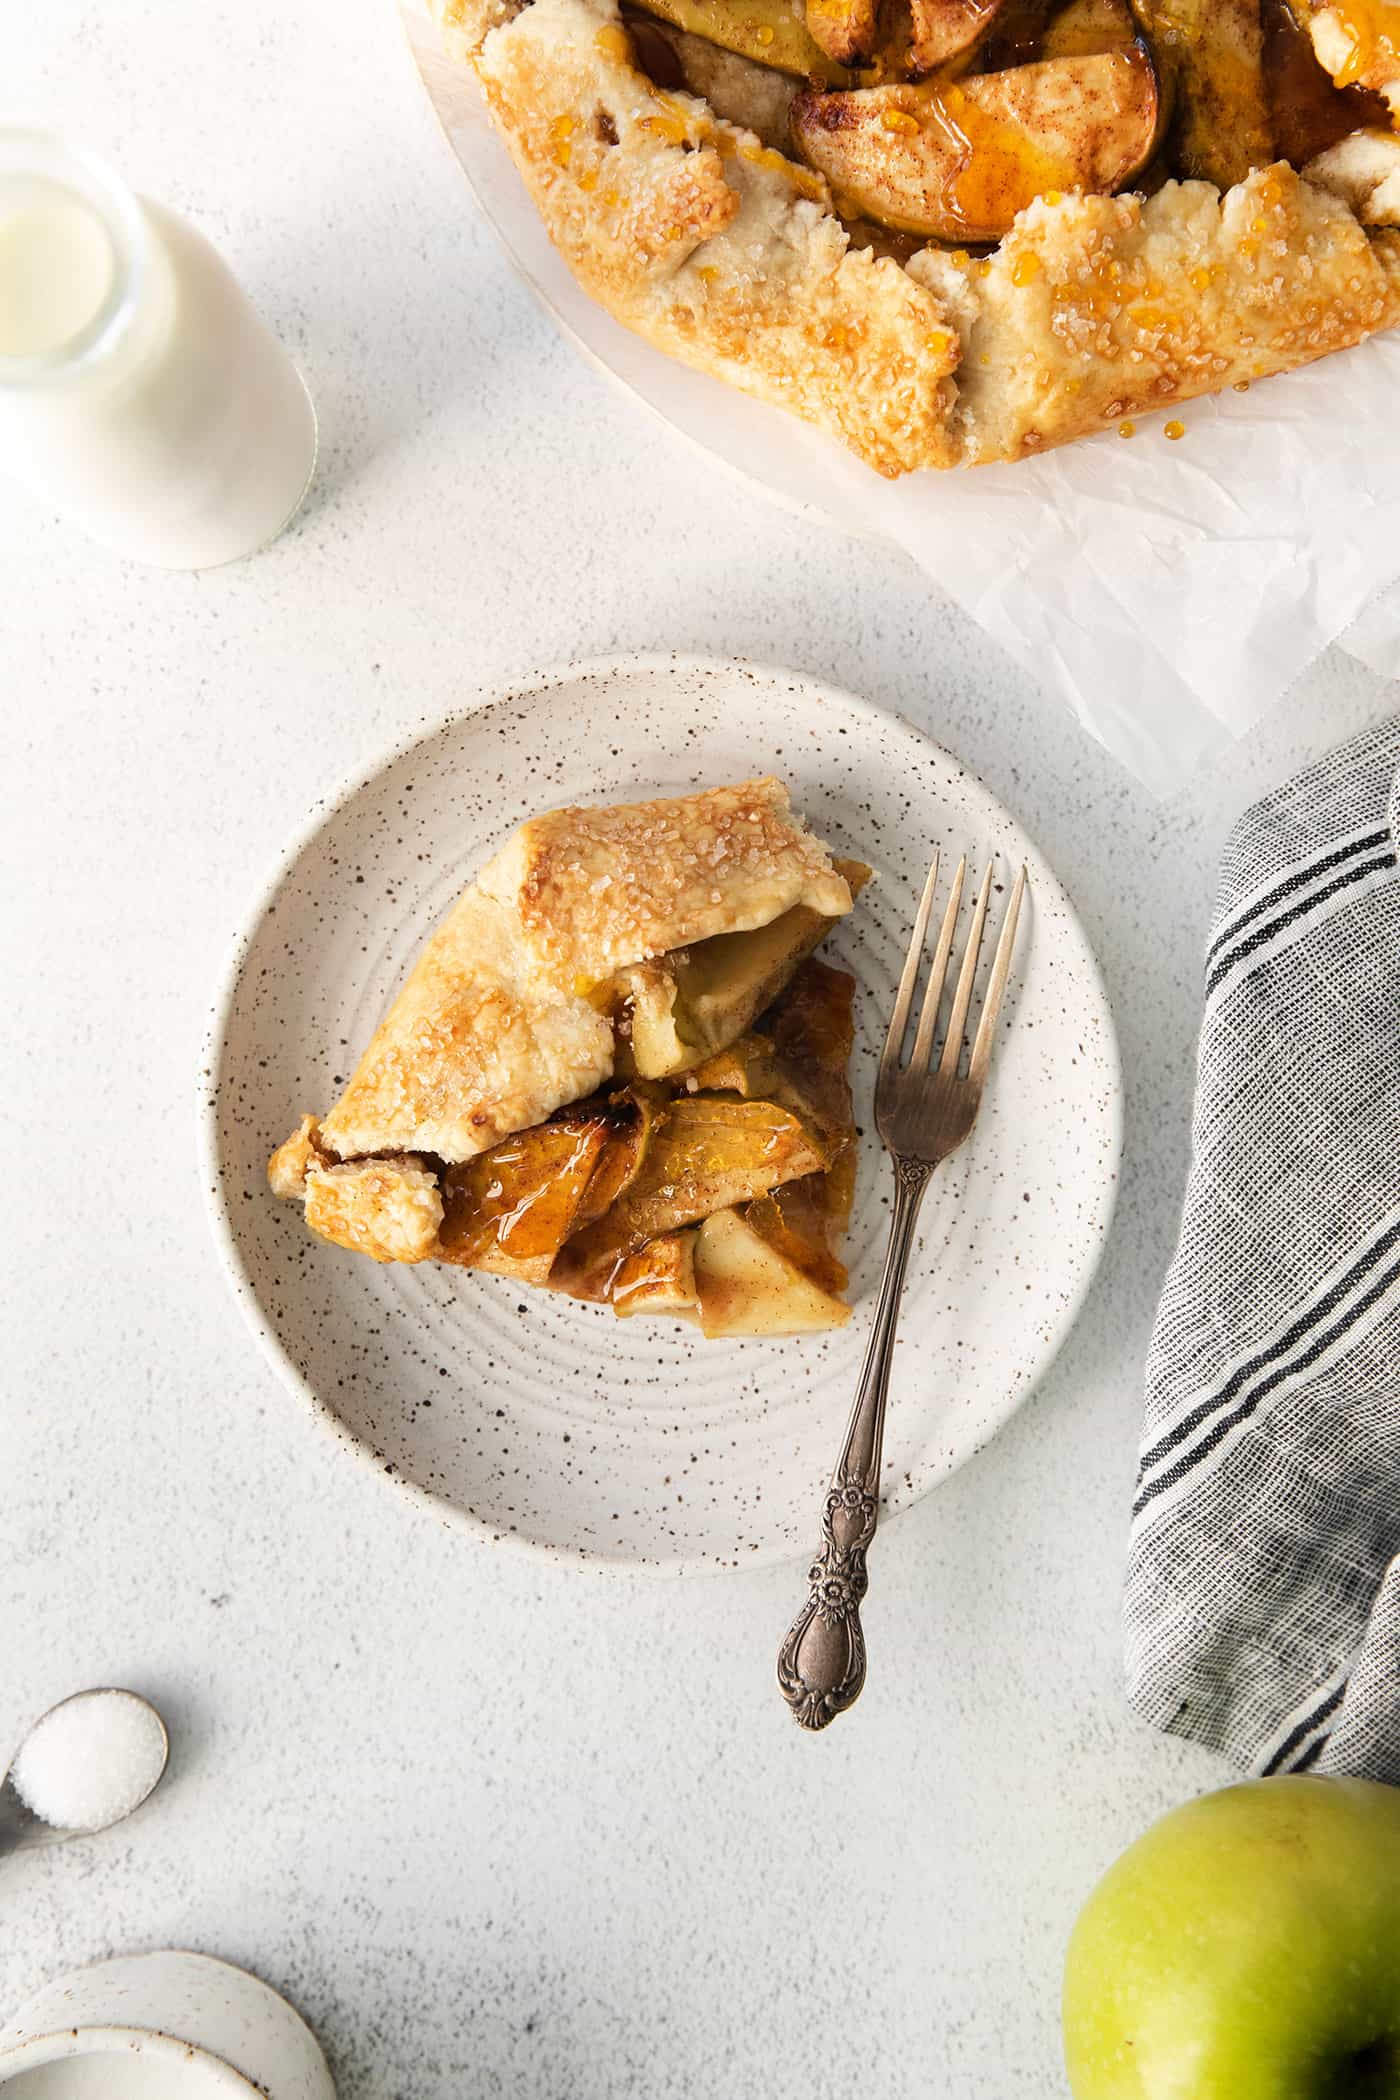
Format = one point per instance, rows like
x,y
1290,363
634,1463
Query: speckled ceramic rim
x,y
646,664
68,2042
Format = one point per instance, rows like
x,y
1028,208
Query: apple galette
x,y
616,1070
958,231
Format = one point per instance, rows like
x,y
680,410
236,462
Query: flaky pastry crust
x,y
731,257
597,889
389,1209
498,1025
481,1041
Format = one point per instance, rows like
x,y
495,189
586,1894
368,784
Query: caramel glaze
x,y
1309,114
1372,28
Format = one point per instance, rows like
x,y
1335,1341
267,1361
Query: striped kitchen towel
x,y
1263,1592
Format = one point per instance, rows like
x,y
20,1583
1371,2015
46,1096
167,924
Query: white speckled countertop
x,y
500,1829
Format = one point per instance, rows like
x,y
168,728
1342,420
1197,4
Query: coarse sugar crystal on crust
x,y
495,1027
599,888
1097,308
730,256
389,1209
517,1006
479,1042
703,240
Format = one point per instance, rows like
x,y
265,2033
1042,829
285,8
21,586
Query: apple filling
x,y
716,1194
940,121
617,1071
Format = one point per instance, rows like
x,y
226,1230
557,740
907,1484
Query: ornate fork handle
x,y
821,1664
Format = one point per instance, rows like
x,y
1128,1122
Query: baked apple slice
x,y
944,30
1212,57
659,1278
1088,26
687,1006
707,1152
845,29
511,1209
710,1152
957,160
633,1118
770,32
748,1285
749,1067
799,1058
752,98
795,1222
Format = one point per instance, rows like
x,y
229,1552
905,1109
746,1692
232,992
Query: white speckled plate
x,y
556,1425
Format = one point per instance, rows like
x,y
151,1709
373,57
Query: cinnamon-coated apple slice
x,y
1086,26
957,160
844,29
770,32
944,30
1027,30
1212,59
746,1285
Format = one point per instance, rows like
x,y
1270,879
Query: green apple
x,y
1247,1947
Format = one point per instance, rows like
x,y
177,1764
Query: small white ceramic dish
x,y
163,2026
531,1418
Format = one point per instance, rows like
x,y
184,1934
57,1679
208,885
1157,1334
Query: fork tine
x,y
962,997
928,1018
899,1019
1001,968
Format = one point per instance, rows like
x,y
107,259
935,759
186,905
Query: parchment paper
x,y
1167,593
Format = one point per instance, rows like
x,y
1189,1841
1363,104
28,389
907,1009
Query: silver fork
x,y
922,1116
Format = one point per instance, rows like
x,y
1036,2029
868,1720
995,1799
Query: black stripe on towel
x,y
1264,934
1290,886
1309,1356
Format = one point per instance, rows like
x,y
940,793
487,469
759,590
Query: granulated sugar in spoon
x,y
87,1763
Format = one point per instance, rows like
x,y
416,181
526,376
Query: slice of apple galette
x,y
616,1070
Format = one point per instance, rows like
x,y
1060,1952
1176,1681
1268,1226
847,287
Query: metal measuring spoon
x,y
86,1764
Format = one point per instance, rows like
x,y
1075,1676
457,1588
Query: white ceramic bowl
x,y
163,2026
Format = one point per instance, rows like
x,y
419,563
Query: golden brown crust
x,y
708,243
481,1041
494,1028
293,1160
1100,307
389,1209
719,251
597,889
